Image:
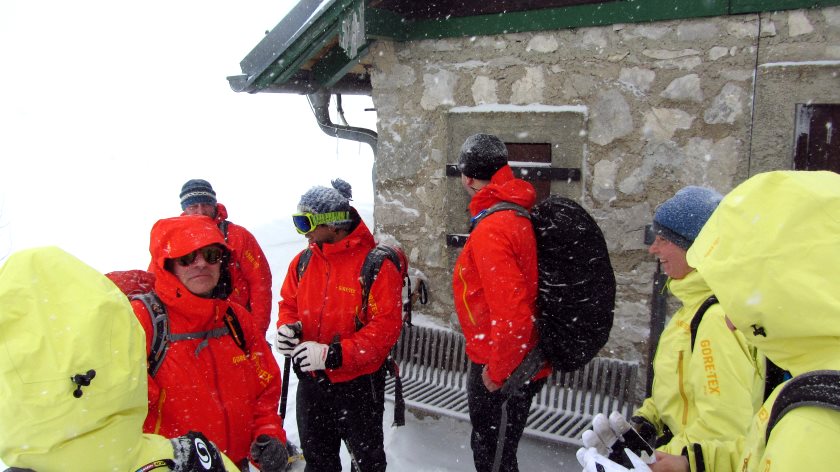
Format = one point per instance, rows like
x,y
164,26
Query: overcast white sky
x,y
107,108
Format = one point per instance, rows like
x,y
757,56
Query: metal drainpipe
x,y
320,104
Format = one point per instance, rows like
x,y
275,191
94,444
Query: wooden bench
x,y
433,369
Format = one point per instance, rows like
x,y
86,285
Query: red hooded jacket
x,y
230,397
250,274
495,279
328,298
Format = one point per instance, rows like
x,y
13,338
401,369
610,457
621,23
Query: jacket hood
x,y
175,237
503,187
179,236
770,253
221,213
60,318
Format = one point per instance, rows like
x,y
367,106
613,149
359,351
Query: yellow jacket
x,y
771,253
59,318
711,392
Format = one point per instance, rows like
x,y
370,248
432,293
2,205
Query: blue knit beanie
x,y
318,200
197,191
680,218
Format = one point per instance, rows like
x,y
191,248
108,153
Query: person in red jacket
x,y
338,350
209,380
498,324
249,273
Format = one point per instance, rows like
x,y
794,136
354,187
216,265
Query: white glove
x,y
592,461
610,438
310,356
288,336
601,436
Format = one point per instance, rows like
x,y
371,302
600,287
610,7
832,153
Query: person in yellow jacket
x,y
707,381
709,387
73,375
771,253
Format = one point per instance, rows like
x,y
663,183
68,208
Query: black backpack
x,y
370,269
576,292
816,388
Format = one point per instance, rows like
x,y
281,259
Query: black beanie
x,y
481,156
197,191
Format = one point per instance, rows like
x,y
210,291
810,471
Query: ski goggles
x,y
306,223
210,254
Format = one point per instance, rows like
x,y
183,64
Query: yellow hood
x,y
58,318
771,254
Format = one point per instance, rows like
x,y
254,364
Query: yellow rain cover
x,y
59,318
771,254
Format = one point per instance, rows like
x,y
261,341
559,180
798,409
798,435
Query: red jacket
x,y
495,279
230,397
328,298
249,271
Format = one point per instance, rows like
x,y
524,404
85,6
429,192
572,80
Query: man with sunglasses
x,y
247,270
218,375
338,348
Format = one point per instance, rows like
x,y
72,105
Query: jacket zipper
x,y
228,429
682,390
160,402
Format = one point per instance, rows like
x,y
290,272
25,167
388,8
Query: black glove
x,y
645,428
269,454
288,337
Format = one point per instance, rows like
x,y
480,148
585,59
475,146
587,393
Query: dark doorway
x,y
817,137
533,153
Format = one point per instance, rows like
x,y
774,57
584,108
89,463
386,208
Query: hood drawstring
x,y
82,380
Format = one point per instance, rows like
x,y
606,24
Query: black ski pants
x,y
352,411
486,416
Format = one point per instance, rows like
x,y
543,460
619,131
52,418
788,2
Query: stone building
x,y
616,104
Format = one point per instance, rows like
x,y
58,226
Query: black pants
x,y
486,416
351,411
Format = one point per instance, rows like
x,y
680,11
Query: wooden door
x,y
817,137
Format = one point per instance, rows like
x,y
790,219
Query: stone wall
x,y
667,104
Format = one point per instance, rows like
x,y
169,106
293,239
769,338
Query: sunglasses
x,y
210,254
306,223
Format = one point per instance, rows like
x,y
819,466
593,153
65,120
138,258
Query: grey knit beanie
x,y
197,191
318,200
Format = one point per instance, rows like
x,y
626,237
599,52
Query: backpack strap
x,y
160,329
223,227
303,262
162,337
370,270
816,388
372,266
698,317
519,209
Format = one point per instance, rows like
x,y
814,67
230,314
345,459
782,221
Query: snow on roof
x,y
800,63
534,107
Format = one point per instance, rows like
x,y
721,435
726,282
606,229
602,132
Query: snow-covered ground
x,y
430,444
